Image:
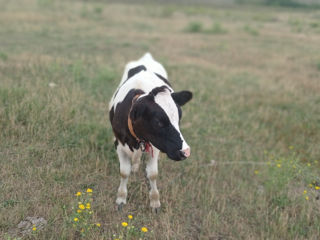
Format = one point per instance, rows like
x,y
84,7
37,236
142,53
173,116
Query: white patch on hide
x,y
166,102
144,80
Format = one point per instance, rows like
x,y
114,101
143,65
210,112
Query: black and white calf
x,y
145,114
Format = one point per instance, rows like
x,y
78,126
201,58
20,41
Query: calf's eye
x,y
159,123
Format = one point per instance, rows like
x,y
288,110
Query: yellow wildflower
x,y
78,194
317,187
81,206
76,219
310,185
307,198
309,164
82,230
88,206
290,147
79,211
34,228
279,165
305,192
98,224
256,172
130,216
294,166
90,212
144,229
89,190
124,224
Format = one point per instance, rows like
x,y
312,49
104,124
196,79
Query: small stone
x,y
25,227
213,163
52,85
260,190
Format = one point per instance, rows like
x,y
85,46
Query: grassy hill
x,y
253,125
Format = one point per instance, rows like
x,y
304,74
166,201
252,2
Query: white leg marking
x,y
152,173
125,169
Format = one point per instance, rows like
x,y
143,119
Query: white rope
x,y
215,163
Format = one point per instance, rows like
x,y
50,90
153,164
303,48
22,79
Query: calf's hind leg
x,y
125,169
136,161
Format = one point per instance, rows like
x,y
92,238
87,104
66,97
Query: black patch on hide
x,y
136,70
119,120
163,79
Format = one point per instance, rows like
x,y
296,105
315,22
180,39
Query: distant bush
x,y
98,10
45,3
3,56
284,3
194,27
296,24
250,30
197,27
217,29
314,24
168,11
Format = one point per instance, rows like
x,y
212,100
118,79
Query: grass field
x,y
253,124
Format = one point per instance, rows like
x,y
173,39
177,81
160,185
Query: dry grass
x,y
256,88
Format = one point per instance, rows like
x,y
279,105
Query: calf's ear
x,y
182,97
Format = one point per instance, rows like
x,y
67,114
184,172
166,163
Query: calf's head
x,y
155,118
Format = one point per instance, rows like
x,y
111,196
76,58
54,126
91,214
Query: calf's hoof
x,y
119,207
156,210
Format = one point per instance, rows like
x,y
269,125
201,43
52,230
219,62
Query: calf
x,y
145,113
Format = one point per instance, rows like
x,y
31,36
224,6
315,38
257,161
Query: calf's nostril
x,y
182,156
186,152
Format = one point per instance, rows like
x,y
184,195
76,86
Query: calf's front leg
x,y
125,169
152,174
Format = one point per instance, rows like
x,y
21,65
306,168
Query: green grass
x,y
217,29
318,65
256,94
250,30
